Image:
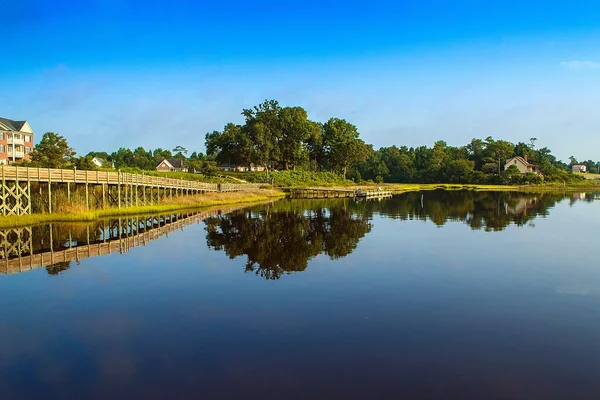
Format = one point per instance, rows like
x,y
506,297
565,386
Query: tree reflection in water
x,y
282,237
57,268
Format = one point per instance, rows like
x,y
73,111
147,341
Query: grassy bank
x,y
293,178
414,187
184,203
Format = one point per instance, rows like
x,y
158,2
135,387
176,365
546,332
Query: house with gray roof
x,y
16,141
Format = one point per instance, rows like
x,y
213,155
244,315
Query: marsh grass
x,y
75,211
413,187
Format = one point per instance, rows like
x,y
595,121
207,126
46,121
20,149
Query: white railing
x,y
12,140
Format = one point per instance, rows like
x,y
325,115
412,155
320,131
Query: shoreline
x,y
399,188
261,195
189,203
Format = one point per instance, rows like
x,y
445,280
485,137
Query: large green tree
x,y
296,130
264,130
342,145
52,151
498,152
232,146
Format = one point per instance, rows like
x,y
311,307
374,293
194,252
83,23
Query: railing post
x,y
4,205
49,192
119,187
87,194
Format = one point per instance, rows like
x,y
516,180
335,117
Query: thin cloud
x,y
580,65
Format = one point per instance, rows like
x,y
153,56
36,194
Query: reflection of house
x,y
579,168
521,207
102,163
240,168
578,196
171,165
16,140
523,165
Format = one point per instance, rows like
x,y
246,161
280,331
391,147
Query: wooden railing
x,y
50,175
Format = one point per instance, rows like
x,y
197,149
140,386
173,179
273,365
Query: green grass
x,y
589,175
413,187
188,176
294,178
186,203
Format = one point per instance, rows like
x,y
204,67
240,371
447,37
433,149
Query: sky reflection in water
x,y
453,294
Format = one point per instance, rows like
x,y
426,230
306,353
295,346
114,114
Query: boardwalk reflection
x,y
277,238
55,246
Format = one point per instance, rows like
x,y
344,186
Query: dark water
x,y
452,295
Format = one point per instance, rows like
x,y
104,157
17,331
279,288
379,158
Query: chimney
x,y
525,157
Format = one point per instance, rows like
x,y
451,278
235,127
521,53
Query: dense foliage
x,y
52,151
306,152
296,178
480,161
283,138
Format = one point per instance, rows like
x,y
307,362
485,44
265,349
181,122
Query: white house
x,y
102,163
241,168
579,168
523,165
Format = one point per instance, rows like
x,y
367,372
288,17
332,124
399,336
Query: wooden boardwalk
x,y
107,188
118,236
323,193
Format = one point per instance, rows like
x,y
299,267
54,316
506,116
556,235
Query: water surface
x,y
428,295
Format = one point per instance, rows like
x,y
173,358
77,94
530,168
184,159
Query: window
x,y
28,138
16,136
1,148
1,135
27,150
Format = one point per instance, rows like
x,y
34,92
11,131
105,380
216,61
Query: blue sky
x,y
108,73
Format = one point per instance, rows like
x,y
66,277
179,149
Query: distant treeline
x,y
284,138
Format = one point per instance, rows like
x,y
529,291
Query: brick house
x,y
171,165
16,141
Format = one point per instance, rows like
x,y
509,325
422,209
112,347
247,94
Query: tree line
x,y
284,138
53,151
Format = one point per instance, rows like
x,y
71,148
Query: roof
x,y
175,162
522,160
11,125
579,166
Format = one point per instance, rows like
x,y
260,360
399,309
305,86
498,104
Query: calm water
x,y
434,296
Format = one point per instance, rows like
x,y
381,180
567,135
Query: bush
x,y
294,178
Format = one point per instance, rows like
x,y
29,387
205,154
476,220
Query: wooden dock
x,y
106,188
324,193
17,252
